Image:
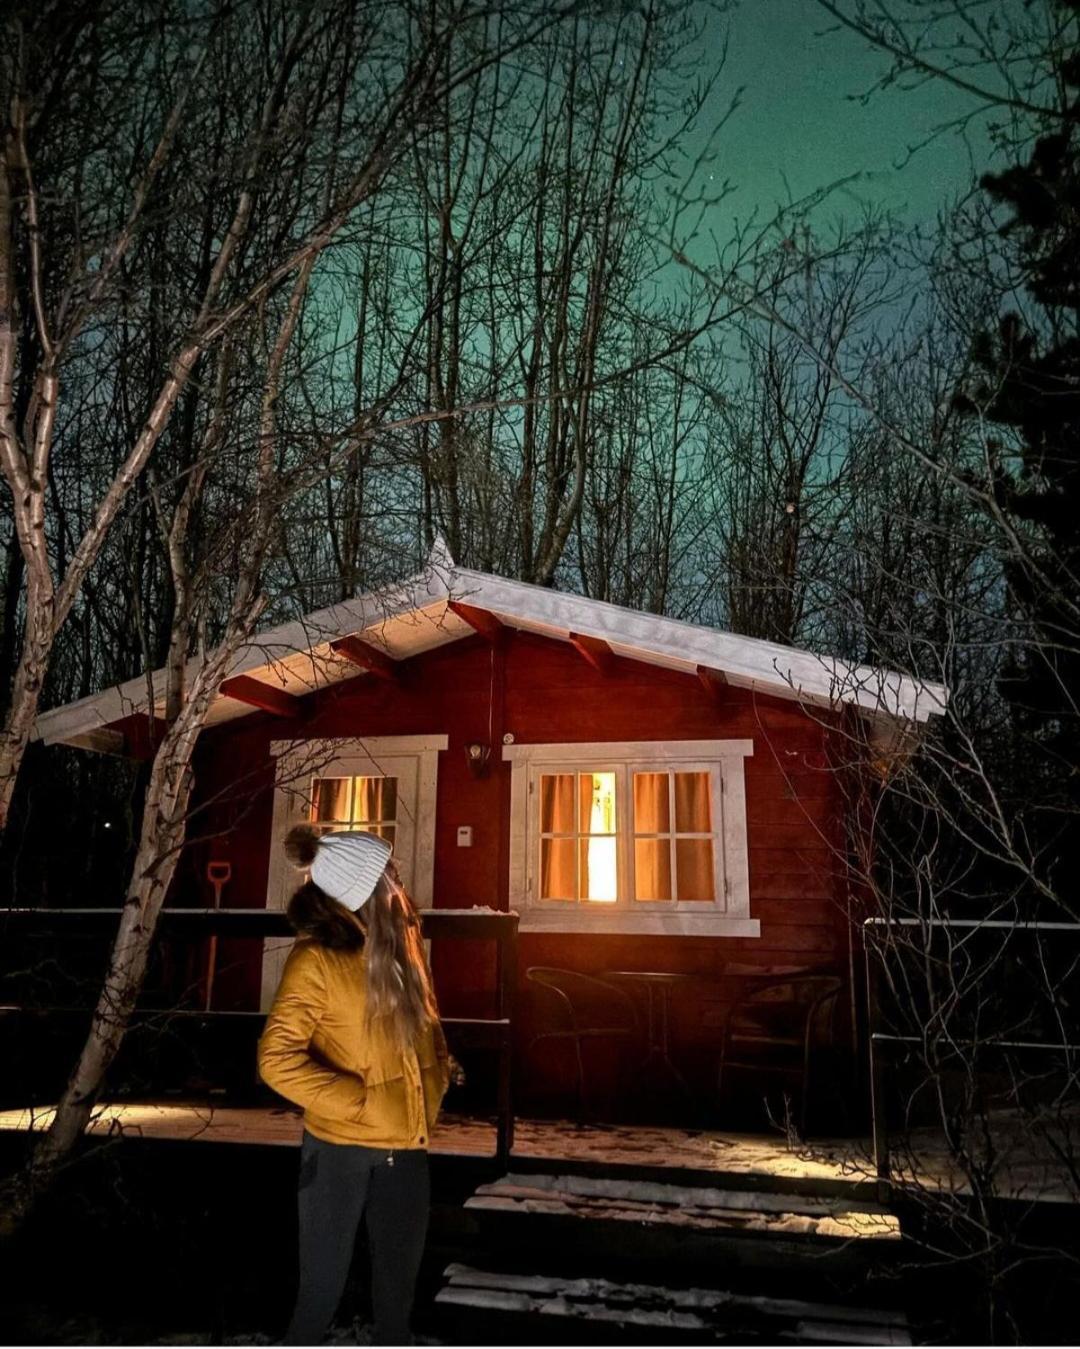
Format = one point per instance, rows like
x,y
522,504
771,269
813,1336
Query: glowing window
x,y
631,836
673,837
355,803
578,843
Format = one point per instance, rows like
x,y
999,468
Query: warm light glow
x,y
602,879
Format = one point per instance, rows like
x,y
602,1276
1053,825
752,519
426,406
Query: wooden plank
x,y
809,812
480,620
366,657
646,1205
505,982
465,924
705,1314
778,883
672,1197
103,740
595,650
267,698
465,1032
714,682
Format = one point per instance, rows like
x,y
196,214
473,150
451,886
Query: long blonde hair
x,y
400,990
387,927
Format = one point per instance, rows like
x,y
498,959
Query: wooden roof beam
x,y
103,739
480,620
366,657
595,650
713,681
267,698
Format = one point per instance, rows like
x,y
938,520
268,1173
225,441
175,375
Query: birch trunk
x,y
162,836
164,825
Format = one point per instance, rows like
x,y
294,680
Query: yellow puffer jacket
x,y
354,1084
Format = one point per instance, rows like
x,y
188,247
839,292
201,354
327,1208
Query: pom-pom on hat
x,y
345,865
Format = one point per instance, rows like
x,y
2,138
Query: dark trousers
x,y
339,1183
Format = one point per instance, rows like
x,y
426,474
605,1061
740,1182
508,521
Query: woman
x,y
354,1037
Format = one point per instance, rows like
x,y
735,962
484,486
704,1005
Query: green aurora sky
x,y
802,126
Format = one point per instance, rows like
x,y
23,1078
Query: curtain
x,y
582,863
693,878
693,856
652,856
558,864
692,807
330,800
367,802
374,800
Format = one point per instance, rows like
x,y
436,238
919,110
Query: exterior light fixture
x,y
478,757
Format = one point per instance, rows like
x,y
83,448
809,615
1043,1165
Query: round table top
x,y
739,972
653,976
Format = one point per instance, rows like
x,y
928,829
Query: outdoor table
x,y
658,985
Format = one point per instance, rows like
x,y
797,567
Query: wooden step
x,y
651,1313
720,1211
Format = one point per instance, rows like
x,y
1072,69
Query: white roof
x,y
415,616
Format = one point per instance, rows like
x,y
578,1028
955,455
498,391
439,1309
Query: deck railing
x,y
195,924
880,1040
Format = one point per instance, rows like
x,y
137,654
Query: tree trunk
x,y
163,830
38,635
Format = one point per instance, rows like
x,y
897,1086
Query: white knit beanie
x,y
347,865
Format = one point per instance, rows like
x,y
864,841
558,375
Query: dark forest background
x,y
288,291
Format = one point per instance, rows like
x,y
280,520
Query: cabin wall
x,y
543,691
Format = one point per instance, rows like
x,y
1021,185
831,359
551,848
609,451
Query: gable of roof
x,y
403,620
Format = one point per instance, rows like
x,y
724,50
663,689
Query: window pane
x,y
694,868
599,870
557,803
374,799
386,831
330,799
596,803
557,868
652,813
652,867
692,812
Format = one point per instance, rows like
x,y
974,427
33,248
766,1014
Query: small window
x,y
584,824
651,835
355,803
674,857
578,857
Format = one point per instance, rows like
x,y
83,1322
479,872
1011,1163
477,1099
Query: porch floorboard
x,y
826,1165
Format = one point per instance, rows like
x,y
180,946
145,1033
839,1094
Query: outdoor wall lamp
x,y
478,757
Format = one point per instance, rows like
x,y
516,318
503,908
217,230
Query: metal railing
x,y
878,1040
462,1033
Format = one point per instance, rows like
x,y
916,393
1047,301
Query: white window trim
x,y
728,917
346,756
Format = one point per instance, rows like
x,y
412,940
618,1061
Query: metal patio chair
x,y
581,1010
777,1027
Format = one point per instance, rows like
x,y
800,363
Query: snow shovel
x,y
218,874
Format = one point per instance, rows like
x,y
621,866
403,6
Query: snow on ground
x,y
357,1333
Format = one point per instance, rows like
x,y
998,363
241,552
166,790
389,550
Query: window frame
x,y
345,756
728,914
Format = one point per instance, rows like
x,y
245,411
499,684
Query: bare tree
x,y
255,451
338,89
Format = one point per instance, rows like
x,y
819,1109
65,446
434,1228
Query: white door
x,y
376,788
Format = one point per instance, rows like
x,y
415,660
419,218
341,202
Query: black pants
x,y
339,1182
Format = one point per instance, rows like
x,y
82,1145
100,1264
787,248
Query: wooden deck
x,y
835,1165
540,1140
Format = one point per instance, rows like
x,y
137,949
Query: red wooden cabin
x,y
648,794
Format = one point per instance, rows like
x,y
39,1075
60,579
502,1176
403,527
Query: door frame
x,y
296,762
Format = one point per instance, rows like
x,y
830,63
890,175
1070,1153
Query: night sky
x,y
798,130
